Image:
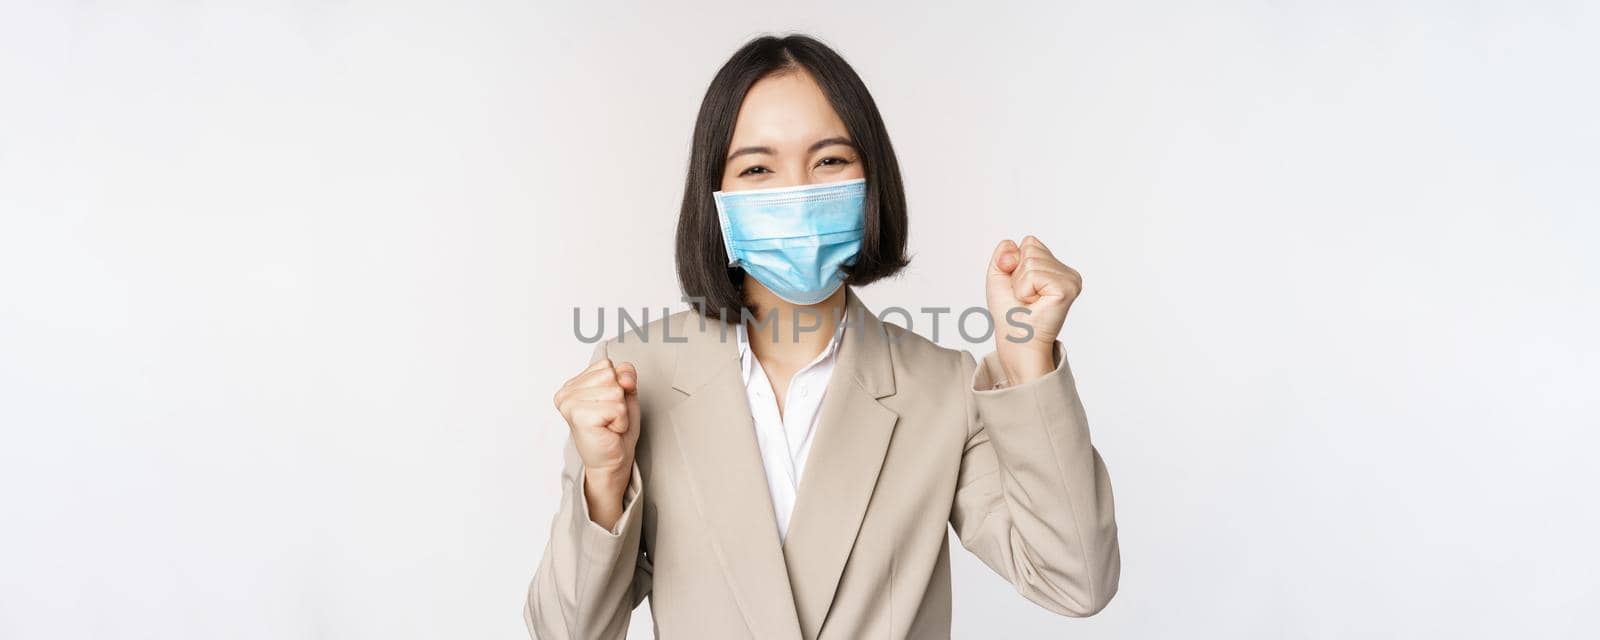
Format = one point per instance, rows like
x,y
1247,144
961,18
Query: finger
x,y
1005,258
619,421
632,406
1025,286
598,394
1043,264
617,412
590,378
1030,286
597,378
611,416
1033,246
628,377
603,363
584,402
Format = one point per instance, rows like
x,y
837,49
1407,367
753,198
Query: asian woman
x,y
778,462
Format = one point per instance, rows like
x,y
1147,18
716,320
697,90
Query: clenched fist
x,y
601,407
1028,276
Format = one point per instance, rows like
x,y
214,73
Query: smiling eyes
x,y
828,161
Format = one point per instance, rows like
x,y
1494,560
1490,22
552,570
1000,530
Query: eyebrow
x,y
828,142
815,146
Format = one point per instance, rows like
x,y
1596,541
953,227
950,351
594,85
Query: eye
x,y
754,170
832,161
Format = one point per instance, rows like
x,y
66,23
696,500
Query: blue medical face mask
x,y
793,240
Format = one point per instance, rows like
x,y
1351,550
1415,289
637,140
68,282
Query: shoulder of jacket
x,y
917,354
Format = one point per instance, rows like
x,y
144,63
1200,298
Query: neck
x,y
786,332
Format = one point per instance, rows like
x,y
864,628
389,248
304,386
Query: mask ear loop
x,y
726,226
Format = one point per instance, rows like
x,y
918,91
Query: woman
x,y
777,462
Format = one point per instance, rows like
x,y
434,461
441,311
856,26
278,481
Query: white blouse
x,y
785,441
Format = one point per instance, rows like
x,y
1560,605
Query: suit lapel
x,y
853,434
716,436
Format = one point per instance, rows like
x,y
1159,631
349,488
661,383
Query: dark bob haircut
x,y
703,270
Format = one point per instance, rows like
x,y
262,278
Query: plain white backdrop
x,y
285,290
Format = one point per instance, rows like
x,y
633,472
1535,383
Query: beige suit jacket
x,y
913,439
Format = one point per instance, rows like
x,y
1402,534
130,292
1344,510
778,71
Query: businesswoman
x,y
776,462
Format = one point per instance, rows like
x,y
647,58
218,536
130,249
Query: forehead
x,y
786,109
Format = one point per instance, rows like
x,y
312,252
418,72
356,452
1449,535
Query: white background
x,y
285,291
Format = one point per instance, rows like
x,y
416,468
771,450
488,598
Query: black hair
x,y
702,259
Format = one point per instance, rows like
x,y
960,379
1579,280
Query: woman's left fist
x,y
1029,292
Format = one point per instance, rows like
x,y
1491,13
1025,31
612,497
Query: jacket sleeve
x,y
1034,499
590,578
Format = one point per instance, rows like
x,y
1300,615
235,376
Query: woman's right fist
x,y
601,407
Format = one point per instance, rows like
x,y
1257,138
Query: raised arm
x,y
593,573
1034,499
